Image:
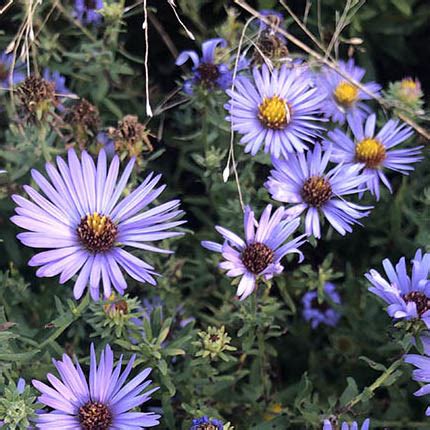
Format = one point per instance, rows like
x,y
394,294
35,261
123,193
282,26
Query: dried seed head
x,y
84,119
36,96
409,91
206,426
131,137
269,47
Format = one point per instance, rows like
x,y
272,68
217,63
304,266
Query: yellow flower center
x,y
408,84
274,113
410,91
272,411
97,223
346,94
371,152
97,232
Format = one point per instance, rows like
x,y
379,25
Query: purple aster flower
x,y
145,312
374,151
60,85
273,15
301,180
260,254
206,423
422,373
345,426
206,71
276,110
58,79
408,297
20,386
103,401
106,143
5,70
321,313
86,11
151,305
156,304
85,225
342,99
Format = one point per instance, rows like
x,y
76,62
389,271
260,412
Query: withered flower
x,y
269,47
131,138
84,119
36,97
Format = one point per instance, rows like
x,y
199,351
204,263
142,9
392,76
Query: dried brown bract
x,y
36,97
84,119
131,138
269,47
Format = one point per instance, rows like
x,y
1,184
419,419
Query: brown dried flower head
x,y
269,46
130,137
36,96
85,121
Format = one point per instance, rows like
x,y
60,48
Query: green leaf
x,y
162,367
404,6
373,364
350,392
391,379
174,351
283,289
168,413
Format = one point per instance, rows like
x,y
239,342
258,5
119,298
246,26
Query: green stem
x,y
116,30
43,144
72,317
205,129
372,388
261,349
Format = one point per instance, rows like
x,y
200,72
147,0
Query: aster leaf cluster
x,y
18,406
113,318
215,344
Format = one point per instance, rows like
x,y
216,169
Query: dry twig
x,y
231,157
